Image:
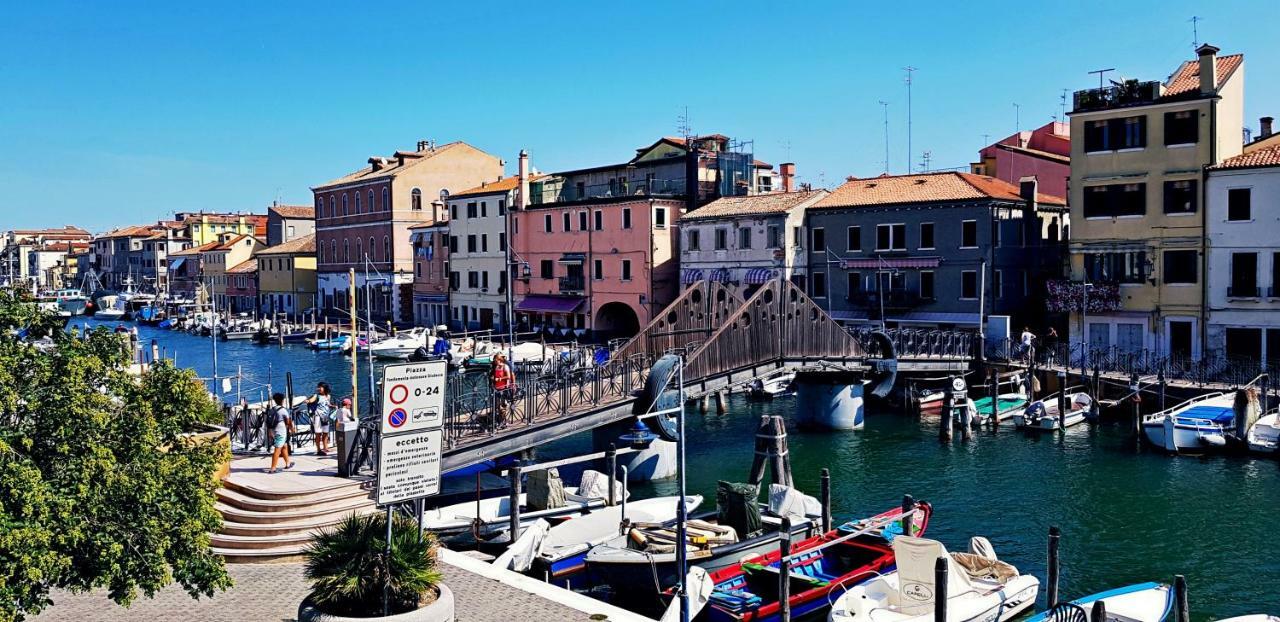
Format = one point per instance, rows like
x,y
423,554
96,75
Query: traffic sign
x,y
409,466
413,396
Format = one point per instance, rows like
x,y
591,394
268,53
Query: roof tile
x,y
774,203
1269,156
1187,77
303,245
925,188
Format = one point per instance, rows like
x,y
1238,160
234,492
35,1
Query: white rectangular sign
x,y
413,396
409,466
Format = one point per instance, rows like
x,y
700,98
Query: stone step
x,y
335,509
320,490
276,554
322,500
291,526
229,542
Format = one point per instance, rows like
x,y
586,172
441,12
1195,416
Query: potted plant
x,y
350,571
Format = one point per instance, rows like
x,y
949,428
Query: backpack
x,y
273,417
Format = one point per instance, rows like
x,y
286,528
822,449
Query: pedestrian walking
x,y
280,422
503,387
344,432
321,405
1027,339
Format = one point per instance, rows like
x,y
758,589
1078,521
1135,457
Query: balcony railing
x,y
1241,291
1131,92
567,190
572,285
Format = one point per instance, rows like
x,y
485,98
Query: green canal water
x,y
1128,514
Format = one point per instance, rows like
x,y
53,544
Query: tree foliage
x,y
99,485
348,566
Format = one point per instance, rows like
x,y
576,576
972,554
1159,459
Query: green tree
x,y
99,485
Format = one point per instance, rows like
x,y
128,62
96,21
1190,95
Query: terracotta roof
x,y
925,188
68,229
1269,156
1035,152
231,242
196,250
505,184
762,164
54,247
296,246
244,267
392,166
294,211
774,203
1187,77
134,231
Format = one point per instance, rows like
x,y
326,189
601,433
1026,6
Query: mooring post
x,y
784,571
994,383
1137,404
1164,384
514,474
1055,535
944,417
1099,611
288,403
1180,595
940,590
825,479
611,458
908,519
625,493
720,403
1062,400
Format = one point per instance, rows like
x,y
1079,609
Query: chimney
x,y
422,145
522,201
1208,69
376,163
1027,189
788,172
1265,122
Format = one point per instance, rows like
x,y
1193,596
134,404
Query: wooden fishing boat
x,y
1046,415
1144,602
821,568
1195,425
1006,405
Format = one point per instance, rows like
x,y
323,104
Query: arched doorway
x,y
616,320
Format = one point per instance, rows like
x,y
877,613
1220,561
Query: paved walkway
x,y
271,593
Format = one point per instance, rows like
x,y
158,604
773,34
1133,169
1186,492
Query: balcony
x,y
572,285
1244,291
1130,93
565,191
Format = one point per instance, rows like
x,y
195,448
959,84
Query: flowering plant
x,y
1070,296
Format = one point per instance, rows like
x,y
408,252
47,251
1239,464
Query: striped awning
x,y
690,275
719,274
892,262
757,276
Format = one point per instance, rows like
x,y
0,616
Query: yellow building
x,y
217,260
287,276
1138,154
203,228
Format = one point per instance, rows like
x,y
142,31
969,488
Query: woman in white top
x,y
321,410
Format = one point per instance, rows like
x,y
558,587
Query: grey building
x,y
927,250
289,222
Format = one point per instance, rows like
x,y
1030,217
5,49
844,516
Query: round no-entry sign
x,y
397,417
399,393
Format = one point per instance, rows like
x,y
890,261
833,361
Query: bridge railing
x,y
1215,367
919,343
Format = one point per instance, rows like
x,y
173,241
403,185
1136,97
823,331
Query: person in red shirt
x,y
504,384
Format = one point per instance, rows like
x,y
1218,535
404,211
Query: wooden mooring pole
x,y
514,501
940,590
1055,535
825,479
611,458
1183,612
784,571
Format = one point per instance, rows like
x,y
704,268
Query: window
x,y
546,223
546,269
453,244
1113,134
1181,127
1135,133
473,279
626,218
319,209
581,187
797,236
597,269
1128,267
818,285
344,204
852,285
926,236
567,221
995,234
626,269
333,251
819,240
346,250
1115,200
599,220
359,249
1180,266
997,283
471,243
502,242
891,237
926,284
969,234
582,221
1244,275
1095,136
484,242
484,209
722,238
744,238
372,208
386,200
502,207
694,242
969,285
775,236
471,210
386,248
660,217
853,239
358,206
1180,197
1238,204
484,279
453,211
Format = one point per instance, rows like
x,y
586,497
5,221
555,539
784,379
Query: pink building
x,y
1044,152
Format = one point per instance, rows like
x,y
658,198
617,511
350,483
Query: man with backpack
x,y
280,424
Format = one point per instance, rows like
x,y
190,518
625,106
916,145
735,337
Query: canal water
x,y
1128,514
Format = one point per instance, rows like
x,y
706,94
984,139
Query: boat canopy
x,y
1216,414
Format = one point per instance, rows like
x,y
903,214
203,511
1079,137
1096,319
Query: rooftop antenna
x,y
786,147
1102,72
682,126
910,71
986,140
885,105
1017,118
1195,30
924,161
1062,104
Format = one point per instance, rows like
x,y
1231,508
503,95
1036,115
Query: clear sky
x,y
118,113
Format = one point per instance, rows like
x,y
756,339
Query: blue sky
x,y
118,113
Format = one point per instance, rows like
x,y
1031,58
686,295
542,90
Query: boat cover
x,y
737,507
915,558
1218,414
787,501
546,491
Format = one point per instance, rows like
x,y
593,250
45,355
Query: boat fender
x,y
1213,440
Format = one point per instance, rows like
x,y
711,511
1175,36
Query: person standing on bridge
x,y
504,385
1027,339
321,405
280,422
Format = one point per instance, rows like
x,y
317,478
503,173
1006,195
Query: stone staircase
x,y
273,521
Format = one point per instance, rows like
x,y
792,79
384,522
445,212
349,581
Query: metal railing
x,y
1212,368
569,190
919,343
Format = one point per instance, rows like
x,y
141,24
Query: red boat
x,y
821,569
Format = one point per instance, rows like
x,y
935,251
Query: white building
x,y
746,241
1243,221
478,237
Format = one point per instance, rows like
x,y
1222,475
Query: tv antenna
x,y
682,125
1017,118
885,105
1195,30
924,160
1102,72
910,71
1062,104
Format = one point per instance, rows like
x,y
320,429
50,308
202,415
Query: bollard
x,y
625,493
1055,535
1180,599
1137,405
944,418
825,479
514,475
784,571
1099,611
1164,384
940,590
611,458
908,521
995,399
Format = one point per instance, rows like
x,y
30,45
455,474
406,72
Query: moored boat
x,y
340,343
1047,413
1144,602
1196,425
402,345
1264,435
775,385
486,516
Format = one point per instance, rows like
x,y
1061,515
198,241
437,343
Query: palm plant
x,y
349,568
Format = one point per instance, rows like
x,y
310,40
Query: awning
x,y
538,303
573,258
892,262
757,276
690,275
431,298
847,316
936,317
719,274
176,264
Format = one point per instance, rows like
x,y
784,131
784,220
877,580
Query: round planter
x,y
441,610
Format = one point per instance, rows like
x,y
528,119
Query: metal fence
x,y
919,343
1212,368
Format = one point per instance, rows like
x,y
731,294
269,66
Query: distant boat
x,y
402,345
1264,435
1195,425
774,385
340,343
1042,414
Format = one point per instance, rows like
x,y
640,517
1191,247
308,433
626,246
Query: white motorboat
x,y
980,587
495,513
1195,425
772,386
111,312
1264,435
1144,602
402,345
71,301
564,550
1044,414
1257,617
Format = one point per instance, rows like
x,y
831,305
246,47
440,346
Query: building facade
x,y
478,234
363,221
938,250
746,241
289,222
17,245
287,277
1137,178
1043,153
242,287
1243,285
220,258
431,273
205,227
